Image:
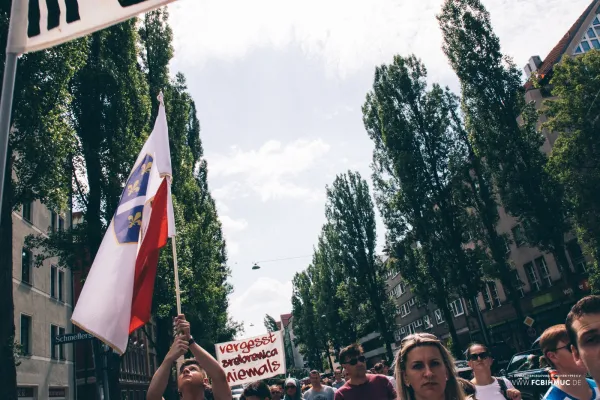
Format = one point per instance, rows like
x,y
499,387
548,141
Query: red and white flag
x,y
117,296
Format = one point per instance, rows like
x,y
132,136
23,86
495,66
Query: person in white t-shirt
x,y
488,387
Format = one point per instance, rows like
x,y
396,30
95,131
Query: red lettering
x,y
242,374
276,365
272,337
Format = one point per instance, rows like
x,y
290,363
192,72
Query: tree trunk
x,y
562,263
443,305
8,370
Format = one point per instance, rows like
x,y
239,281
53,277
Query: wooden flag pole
x,y
177,291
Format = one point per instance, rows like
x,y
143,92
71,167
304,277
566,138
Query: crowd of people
x,y
423,369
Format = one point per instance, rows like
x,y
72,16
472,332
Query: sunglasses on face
x,y
275,392
482,356
290,387
356,360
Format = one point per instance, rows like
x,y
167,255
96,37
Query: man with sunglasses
x,y
488,387
362,385
571,383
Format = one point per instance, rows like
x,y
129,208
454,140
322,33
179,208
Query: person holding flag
x,y
193,374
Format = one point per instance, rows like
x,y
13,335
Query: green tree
x,y
494,103
201,248
306,323
332,303
417,163
38,155
575,157
350,212
270,324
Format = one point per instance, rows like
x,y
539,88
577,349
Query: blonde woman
x,y
425,370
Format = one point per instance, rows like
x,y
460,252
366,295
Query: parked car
x,y
463,369
501,353
526,374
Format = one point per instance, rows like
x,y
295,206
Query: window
x,y
493,293
518,235
439,318
61,348
457,308
398,290
589,39
397,310
53,277
576,255
53,347
61,224
26,266
411,302
52,221
61,285
427,322
25,339
518,283
411,328
418,322
27,211
540,262
487,299
532,276
404,309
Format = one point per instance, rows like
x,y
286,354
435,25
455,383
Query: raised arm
x,y
221,390
160,380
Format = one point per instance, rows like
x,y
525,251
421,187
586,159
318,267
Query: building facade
x,y
43,303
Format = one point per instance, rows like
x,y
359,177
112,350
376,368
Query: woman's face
x,y
425,372
480,359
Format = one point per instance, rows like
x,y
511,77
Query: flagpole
x,y
177,292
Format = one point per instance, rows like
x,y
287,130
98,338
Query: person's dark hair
x,y
378,368
354,350
191,361
258,389
468,352
585,306
467,386
315,372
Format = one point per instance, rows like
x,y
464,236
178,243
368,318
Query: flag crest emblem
x,y
128,218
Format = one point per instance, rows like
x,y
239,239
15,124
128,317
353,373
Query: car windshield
x,y
461,364
525,361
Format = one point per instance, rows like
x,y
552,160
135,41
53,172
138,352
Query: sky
x,y
279,86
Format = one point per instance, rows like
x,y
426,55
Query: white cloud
x,y
268,171
264,296
349,35
233,225
233,248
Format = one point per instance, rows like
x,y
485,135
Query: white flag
x,y
117,296
39,24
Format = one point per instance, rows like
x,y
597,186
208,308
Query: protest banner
x,y
252,359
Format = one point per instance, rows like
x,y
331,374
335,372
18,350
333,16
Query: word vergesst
x,y
247,345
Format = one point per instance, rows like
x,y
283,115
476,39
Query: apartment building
x,y
43,303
